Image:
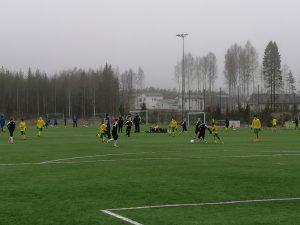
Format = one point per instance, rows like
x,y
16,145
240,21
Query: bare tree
x,y
212,72
231,71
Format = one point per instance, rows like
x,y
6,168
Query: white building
x,y
150,99
191,103
156,101
167,104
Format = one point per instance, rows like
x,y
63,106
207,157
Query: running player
x,y
40,123
184,126
214,131
102,132
201,131
11,128
114,133
22,127
128,125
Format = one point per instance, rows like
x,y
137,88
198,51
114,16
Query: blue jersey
x,y
74,119
107,122
2,121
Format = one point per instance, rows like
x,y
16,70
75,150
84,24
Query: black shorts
x,y
201,135
115,136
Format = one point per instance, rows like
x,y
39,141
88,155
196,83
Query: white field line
x,y
94,156
63,161
112,213
123,218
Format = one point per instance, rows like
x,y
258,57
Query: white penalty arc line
x,y
112,213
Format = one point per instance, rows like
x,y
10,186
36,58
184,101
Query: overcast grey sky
x,y
61,34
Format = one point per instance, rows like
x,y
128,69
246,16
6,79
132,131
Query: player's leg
x,y
219,138
40,132
115,137
11,136
129,130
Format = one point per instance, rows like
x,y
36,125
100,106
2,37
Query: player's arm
x,y
210,130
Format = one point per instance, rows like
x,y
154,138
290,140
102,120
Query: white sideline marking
x,y
111,211
63,160
123,218
94,156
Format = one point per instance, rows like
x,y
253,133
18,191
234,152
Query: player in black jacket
x,y
137,121
120,124
114,133
197,125
201,131
128,126
184,126
11,126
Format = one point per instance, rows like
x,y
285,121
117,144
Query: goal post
x,y
143,114
192,117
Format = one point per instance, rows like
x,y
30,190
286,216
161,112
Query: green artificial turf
x,y
149,169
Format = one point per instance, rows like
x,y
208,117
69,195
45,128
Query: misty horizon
x,y
60,35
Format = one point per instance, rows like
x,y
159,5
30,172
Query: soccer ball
x,y
192,141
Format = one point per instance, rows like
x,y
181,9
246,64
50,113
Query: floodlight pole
x,y
183,35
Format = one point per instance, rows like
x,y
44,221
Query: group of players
x,y
200,130
106,134
11,127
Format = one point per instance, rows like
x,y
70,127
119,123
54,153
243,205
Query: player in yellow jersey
x,y
256,126
274,123
103,132
173,127
40,123
214,132
22,127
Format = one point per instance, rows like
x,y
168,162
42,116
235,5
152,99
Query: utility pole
x,y
183,35
220,105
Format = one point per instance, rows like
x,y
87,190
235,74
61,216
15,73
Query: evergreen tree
x,y
272,71
291,83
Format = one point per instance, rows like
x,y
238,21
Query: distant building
x,y
167,104
150,99
156,101
283,102
191,103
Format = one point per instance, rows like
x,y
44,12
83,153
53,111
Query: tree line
x,y
243,74
84,93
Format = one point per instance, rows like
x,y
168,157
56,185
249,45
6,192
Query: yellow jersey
x,y
173,124
214,129
274,122
22,126
256,124
40,123
102,128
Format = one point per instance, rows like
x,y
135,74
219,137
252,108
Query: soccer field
x,y
68,177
